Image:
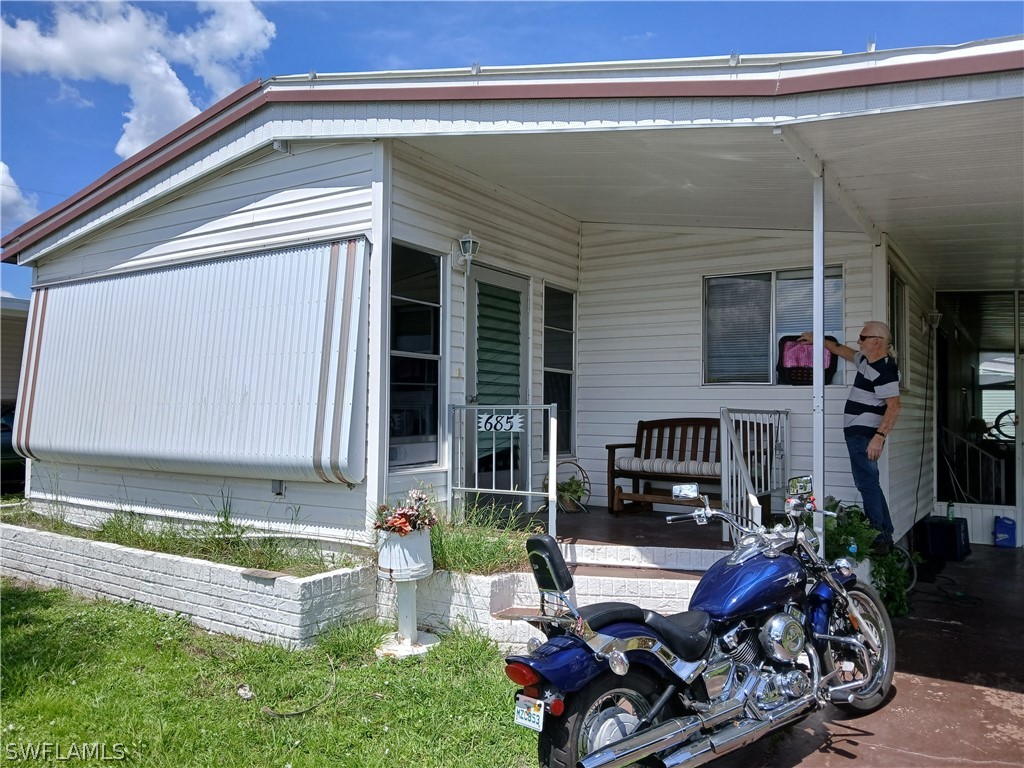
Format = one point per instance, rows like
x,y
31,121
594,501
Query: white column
x,y
818,352
406,606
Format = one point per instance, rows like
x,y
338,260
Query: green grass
x,y
74,671
485,542
223,542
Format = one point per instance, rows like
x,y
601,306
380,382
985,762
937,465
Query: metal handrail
x,y
502,418
766,442
978,464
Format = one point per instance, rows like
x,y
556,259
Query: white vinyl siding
x,y
315,193
317,510
639,335
250,367
907,460
434,204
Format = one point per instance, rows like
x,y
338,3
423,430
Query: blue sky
x,y
85,85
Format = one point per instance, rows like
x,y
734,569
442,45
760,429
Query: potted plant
x,y
570,494
403,546
850,535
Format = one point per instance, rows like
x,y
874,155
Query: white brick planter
x,y
445,600
284,610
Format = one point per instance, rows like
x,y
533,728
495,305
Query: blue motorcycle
x,y
773,633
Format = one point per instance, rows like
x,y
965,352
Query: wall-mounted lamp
x,y
464,250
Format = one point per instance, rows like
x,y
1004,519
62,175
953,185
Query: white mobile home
x,y
268,308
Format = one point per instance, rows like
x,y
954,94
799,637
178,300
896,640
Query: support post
x,y
552,469
406,607
818,353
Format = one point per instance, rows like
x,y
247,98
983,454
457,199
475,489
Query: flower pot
x,y
404,558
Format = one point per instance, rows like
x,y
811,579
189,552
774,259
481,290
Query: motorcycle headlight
x,y
844,567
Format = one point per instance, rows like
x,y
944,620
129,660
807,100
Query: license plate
x,y
529,713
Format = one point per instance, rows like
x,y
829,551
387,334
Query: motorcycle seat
x,y
600,615
688,634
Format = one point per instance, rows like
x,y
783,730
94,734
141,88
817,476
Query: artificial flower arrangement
x,y
416,513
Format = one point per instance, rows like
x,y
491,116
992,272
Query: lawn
x,y
100,679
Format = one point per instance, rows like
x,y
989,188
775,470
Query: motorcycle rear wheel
x,y
873,611
605,711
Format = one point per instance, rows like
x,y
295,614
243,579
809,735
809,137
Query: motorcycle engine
x,y
782,638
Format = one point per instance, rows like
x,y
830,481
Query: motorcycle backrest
x,y
549,568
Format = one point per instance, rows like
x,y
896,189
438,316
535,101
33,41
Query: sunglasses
x,y
865,338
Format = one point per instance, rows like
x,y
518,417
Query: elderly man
x,y
871,410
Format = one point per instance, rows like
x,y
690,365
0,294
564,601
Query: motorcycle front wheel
x,y
850,663
605,711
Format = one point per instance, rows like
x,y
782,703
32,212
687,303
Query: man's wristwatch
x,y
880,434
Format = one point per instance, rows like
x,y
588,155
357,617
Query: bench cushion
x,y
669,467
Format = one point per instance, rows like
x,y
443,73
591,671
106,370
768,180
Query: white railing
x,y
755,459
493,455
977,475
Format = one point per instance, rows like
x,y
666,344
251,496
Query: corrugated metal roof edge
x,y
257,94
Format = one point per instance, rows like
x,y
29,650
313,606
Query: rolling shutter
x,y
252,366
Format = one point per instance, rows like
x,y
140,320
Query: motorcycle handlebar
x,y
680,517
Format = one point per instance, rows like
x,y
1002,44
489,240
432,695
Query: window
x,y
415,357
746,315
559,349
897,322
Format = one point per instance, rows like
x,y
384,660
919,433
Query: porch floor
x,y
643,529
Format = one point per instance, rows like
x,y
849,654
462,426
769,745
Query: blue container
x,y
1004,532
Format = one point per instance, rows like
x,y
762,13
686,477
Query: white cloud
x,y
123,44
72,95
16,206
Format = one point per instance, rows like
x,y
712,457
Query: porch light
x,y
465,250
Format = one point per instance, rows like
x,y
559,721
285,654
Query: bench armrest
x,y
616,446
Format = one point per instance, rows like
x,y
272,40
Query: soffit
x,y
682,177
945,183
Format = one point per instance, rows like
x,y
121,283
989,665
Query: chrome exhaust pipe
x,y
666,735
740,735
629,750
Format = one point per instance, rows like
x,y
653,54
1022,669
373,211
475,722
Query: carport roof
x,y
925,145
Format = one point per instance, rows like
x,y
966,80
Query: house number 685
x,y
492,422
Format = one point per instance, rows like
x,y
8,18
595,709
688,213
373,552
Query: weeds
x,y
223,541
485,541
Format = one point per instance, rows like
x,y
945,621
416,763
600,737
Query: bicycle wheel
x,y
906,561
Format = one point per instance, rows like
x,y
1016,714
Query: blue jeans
x,y
865,477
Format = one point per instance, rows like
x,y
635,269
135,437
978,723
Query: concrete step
x,y
658,589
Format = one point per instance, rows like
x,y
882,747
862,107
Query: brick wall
x,y
284,610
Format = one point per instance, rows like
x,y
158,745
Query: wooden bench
x,y
677,450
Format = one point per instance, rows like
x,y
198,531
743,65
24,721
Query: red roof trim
x,y
226,112
132,168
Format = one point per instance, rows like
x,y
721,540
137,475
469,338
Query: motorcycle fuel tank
x,y
731,591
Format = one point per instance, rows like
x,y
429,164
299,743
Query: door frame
x,y
512,282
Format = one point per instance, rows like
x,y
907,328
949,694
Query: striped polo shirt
x,y
866,404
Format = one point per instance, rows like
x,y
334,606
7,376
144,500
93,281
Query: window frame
x,y
898,321
438,334
774,334
570,428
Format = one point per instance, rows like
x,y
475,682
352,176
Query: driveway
x,y
958,696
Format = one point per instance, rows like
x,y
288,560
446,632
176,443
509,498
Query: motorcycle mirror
x,y
800,486
686,491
